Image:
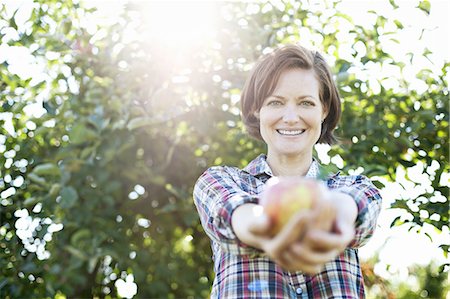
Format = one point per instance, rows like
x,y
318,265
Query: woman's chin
x,y
291,153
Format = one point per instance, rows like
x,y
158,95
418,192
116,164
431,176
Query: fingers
x,y
302,244
294,229
325,241
307,255
311,238
292,232
324,216
317,248
301,257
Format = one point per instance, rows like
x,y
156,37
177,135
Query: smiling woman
x,y
290,119
291,103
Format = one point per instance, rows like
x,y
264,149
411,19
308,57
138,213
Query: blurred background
x,y
110,110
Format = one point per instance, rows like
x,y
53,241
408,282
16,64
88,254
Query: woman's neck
x,y
289,166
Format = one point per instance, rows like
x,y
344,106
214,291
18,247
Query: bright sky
x,y
395,247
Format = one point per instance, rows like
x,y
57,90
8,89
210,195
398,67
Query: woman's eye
x,y
307,103
274,103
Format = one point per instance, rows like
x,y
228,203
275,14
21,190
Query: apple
x,y
285,196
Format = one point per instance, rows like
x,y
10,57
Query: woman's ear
x,y
324,114
256,114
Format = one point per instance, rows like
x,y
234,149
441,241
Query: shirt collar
x,y
260,166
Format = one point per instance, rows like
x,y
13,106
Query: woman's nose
x,y
290,115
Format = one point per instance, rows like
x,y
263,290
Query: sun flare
x,y
181,24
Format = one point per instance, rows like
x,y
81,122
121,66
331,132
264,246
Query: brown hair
x,y
264,78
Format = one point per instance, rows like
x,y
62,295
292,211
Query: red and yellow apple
x,y
285,196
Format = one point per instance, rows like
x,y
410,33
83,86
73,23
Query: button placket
x,y
297,281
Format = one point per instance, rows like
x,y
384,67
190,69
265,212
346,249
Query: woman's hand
x,y
323,243
252,226
309,240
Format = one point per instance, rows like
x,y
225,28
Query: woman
x,y
290,102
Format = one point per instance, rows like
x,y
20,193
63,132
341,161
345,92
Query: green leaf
x,y
398,24
51,109
139,122
87,151
407,163
3,282
445,248
373,170
76,252
12,20
80,235
396,222
67,25
31,201
46,169
81,134
92,263
36,179
378,184
69,197
54,190
425,6
393,4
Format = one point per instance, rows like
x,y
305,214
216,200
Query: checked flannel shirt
x,y
242,271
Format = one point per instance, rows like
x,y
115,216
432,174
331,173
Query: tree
x,y
98,185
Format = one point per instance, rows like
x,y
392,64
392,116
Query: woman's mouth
x,y
290,132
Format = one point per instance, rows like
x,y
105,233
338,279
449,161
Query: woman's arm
x,y
368,202
216,196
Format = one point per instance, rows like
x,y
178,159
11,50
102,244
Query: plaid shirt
x,y
245,272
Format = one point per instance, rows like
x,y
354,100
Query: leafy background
x,y
110,124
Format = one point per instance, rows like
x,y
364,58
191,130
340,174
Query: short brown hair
x,y
264,78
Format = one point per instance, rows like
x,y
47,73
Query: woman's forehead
x,y
298,81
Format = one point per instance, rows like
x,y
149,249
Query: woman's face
x,y
291,118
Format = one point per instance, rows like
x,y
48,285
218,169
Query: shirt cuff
x,y
231,243
368,202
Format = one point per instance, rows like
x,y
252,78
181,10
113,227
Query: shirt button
x,y
299,291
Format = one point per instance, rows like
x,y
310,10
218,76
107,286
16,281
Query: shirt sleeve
x,y
368,201
216,196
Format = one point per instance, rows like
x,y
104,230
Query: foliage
x,y
420,282
99,186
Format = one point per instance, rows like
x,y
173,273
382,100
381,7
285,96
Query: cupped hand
x,y
330,231
289,248
275,246
253,227
310,239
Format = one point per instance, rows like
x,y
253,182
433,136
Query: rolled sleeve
x,y
368,201
216,196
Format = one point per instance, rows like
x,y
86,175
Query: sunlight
x,y
181,24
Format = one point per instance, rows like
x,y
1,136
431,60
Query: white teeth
x,y
291,133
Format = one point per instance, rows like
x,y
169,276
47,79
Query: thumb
x,y
260,225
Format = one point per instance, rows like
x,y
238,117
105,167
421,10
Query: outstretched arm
x,y
216,195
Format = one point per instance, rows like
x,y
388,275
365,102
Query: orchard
x,y
107,123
